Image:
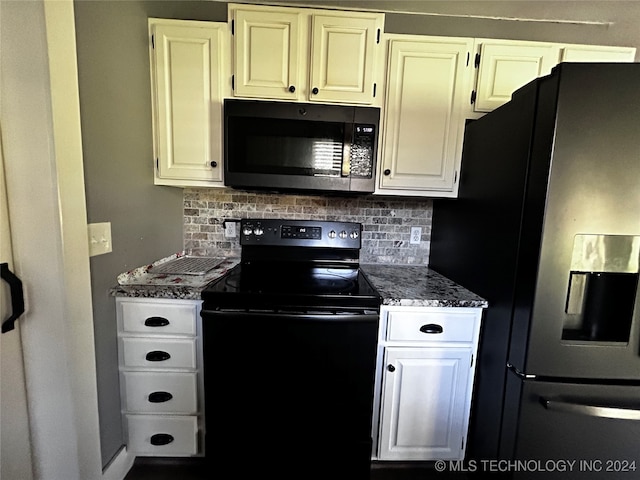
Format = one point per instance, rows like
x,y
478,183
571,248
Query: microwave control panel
x,y
362,153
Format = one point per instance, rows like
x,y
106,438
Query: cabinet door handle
x,y
156,322
214,164
160,397
292,89
315,90
431,328
161,439
387,172
391,368
157,356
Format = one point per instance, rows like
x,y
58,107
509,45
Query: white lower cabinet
x,y
161,378
426,365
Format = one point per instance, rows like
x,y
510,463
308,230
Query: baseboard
x,y
119,466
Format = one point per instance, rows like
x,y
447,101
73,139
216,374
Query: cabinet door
x,y
266,54
343,58
425,410
595,53
507,66
427,87
188,101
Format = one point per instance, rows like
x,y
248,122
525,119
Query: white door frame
x,y
40,117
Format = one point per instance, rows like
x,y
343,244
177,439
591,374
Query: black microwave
x,y
285,146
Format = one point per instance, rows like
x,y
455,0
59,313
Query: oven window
x,y
285,147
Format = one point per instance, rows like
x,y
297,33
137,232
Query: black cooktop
x,y
284,286
299,264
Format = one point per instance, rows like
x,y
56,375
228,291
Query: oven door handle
x,y
606,411
310,317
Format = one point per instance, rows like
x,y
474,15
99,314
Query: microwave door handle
x,y
605,411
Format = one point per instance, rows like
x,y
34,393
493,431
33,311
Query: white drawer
x,y
180,431
159,352
142,388
168,318
413,326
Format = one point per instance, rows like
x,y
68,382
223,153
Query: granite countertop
x,y
418,285
141,282
410,285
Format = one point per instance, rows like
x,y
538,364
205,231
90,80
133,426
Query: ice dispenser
x,y
603,288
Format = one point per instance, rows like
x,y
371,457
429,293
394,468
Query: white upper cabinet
x,y
506,65
342,58
428,81
305,54
188,68
266,58
503,66
595,53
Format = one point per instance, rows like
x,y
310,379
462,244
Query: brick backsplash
x,y
386,221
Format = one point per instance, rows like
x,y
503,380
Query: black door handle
x,y
160,397
157,356
17,297
161,439
156,322
431,328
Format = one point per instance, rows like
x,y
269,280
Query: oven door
x,y
597,427
290,391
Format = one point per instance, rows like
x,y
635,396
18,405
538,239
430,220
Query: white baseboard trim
x,y
119,466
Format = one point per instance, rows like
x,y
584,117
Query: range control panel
x,y
300,233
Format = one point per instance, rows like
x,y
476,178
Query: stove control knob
x,y
332,234
247,231
354,234
258,231
343,234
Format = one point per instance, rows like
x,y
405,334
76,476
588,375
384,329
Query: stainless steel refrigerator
x,y
547,229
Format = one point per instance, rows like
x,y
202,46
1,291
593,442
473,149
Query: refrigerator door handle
x,y
524,376
605,411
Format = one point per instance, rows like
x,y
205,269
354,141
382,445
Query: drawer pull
x,y
161,439
431,328
156,322
160,397
157,356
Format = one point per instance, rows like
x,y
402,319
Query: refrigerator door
x,y
582,317
577,431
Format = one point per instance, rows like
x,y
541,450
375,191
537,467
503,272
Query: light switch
x,y
99,238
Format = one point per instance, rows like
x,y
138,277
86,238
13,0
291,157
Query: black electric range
x,y
289,347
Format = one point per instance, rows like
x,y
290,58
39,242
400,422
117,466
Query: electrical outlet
x,y
229,229
416,233
99,238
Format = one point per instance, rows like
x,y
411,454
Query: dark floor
x,y
191,469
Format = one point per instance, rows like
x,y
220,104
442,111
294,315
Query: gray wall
x,y
146,220
115,102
